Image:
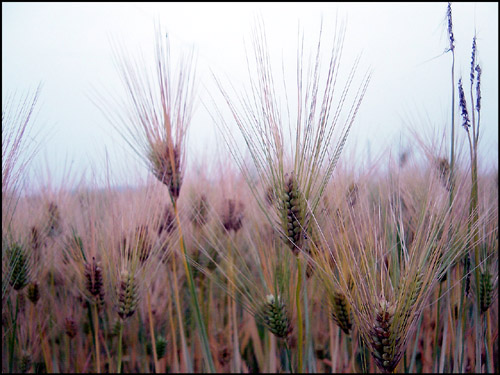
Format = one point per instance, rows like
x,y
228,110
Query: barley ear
x,y
293,214
382,338
341,312
232,216
19,266
161,346
25,362
127,295
276,317
485,291
94,282
70,327
166,170
33,292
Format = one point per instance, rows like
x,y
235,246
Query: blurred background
x,y
67,48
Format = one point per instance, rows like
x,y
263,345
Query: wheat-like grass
x,y
392,269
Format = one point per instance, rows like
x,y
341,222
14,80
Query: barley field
x,y
276,256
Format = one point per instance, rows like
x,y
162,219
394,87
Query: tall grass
x,y
294,261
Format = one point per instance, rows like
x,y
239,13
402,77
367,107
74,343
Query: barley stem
x,y
185,354
272,353
452,152
289,357
445,339
489,342
152,332
232,302
415,346
12,339
438,313
463,304
299,315
201,325
96,331
333,346
120,338
174,339
45,350
68,351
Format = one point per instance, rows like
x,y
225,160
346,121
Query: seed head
x,y
485,291
467,272
70,327
232,215
167,167
167,223
443,167
19,266
127,295
35,239
473,60
161,347
383,341
224,355
142,243
292,208
410,288
463,106
94,281
478,88
33,292
199,211
450,28
53,220
352,194
276,317
341,312
25,362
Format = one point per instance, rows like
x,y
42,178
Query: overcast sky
x,y
67,48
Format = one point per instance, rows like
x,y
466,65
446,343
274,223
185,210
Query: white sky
x,y
66,46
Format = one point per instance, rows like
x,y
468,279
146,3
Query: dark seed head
x,y
33,292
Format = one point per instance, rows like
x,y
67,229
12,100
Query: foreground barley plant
x,y
155,117
293,148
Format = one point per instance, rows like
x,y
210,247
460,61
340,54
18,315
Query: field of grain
x,y
283,257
